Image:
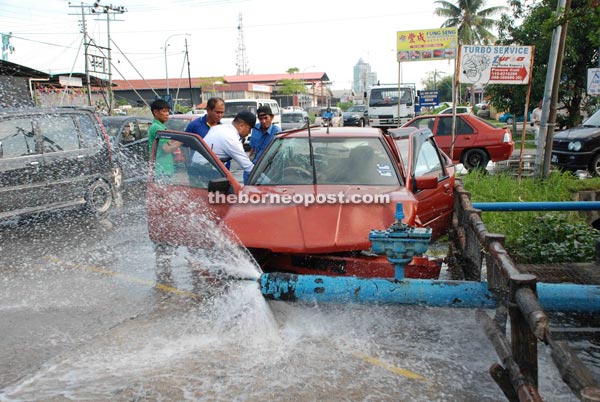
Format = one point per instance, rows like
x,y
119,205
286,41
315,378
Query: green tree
x,y
534,25
291,86
472,20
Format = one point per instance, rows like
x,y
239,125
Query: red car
x,y
477,141
311,200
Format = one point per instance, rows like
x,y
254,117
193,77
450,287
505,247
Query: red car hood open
x,y
318,227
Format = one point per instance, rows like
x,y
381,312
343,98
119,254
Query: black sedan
x,y
129,140
356,115
579,147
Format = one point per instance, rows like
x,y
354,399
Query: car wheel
x,y
509,120
475,159
98,198
594,167
361,123
118,176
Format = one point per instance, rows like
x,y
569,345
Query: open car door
x,y
430,176
185,204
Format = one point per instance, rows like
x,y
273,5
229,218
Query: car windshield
x,y
389,96
593,121
291,118
356,109
344,161
233,108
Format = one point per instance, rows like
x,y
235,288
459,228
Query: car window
x,y
350,161
175,124
192,168
58,133
130,133
17,138
144,126
89,135
428,161
424,123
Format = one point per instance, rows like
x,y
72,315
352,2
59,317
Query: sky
x,y
310,35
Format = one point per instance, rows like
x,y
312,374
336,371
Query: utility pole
x,y
96,63
545,135
187,57
108,10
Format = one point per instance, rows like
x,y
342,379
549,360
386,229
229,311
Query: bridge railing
x,y
471,247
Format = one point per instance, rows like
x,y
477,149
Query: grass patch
x,y
537,237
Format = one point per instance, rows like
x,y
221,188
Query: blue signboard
x,y
428,98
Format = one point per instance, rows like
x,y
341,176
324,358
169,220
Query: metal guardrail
x,y
471,245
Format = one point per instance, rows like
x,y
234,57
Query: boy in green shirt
x,y
164,164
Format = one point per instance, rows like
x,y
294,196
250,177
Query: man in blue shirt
x,y
215,108
262,134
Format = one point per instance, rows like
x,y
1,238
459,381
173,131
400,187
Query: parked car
x,y
459,109
336,121
53,159
477,141
509,118
128,137
330,236
579,147
356,115
293,119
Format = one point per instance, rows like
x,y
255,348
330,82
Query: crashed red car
x,y
311,200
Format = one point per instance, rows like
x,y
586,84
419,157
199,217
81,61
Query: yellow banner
x,y
427,44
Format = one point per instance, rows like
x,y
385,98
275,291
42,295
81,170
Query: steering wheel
x,y
298,171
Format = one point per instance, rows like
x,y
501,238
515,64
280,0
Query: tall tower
x,y
242,61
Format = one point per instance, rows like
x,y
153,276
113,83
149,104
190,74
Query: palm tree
x,y
473,21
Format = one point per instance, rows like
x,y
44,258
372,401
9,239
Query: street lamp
x,y
166,70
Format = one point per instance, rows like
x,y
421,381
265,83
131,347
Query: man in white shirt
x,y
225,140
536,117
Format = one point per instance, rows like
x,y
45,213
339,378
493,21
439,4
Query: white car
x,y
293,119
459,109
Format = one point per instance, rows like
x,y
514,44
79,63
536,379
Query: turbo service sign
x,y
426,44
495,64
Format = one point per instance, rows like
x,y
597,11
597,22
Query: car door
x,y
425,162
66,166
183,207
21,184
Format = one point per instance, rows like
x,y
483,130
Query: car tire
x,y
509,120
594,167
361,123
98,198
118,176
475,159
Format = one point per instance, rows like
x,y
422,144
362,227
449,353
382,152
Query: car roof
x,y
122,118
337,132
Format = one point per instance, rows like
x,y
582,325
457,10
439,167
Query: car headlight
x,y
574,146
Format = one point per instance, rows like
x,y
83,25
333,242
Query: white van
x,y
234,106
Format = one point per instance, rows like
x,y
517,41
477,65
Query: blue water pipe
x,y
400,242
539,206
435,293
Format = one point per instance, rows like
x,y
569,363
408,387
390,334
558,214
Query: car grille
x,y
560,145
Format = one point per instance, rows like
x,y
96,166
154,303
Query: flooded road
x,y
88,312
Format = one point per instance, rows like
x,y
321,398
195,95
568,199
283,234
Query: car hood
x,y
315,228
577,133
350,114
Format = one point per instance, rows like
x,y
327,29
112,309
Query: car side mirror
x,y
426,182
220,185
